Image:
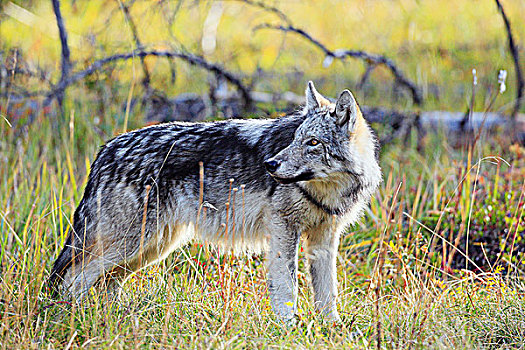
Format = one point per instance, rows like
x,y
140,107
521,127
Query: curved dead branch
x,y
189,58
369,59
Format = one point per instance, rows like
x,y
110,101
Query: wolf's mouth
x,y
307,175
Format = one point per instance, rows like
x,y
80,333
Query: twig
x,y
169,16
21,93
268,8
366,74
66,60
39,74
520,84
138,44
370,59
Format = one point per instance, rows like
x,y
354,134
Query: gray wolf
x,y
309,174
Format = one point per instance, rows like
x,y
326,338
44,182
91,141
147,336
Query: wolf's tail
x,y
60,268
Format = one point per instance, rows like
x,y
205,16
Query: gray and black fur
x,y
307,174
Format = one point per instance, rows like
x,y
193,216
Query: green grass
x,y
396,284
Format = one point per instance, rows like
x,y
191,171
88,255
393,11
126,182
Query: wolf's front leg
x,y
282,271
321,251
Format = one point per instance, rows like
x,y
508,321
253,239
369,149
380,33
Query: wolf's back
x,y
158,156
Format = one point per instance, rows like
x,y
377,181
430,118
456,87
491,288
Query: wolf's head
x,y
334,141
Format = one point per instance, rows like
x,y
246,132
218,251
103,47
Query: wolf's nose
x,y
271,165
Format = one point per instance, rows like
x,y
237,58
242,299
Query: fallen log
x,y
194,107
401,122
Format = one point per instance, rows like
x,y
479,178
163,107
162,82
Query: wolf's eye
x,y
313,142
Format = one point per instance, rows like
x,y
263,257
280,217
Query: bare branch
x,y
520,84
369,68
19,92
138,44
66,59
268,8
370,59
37,74
191,59
170,15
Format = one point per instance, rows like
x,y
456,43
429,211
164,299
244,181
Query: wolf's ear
x,y
313,98
346,110
312,102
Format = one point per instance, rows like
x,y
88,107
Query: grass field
x,y
438,261
398,285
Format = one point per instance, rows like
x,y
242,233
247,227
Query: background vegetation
x,y
437,261
436,44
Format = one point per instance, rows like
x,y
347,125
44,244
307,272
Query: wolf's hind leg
x,y
321,251
156,248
